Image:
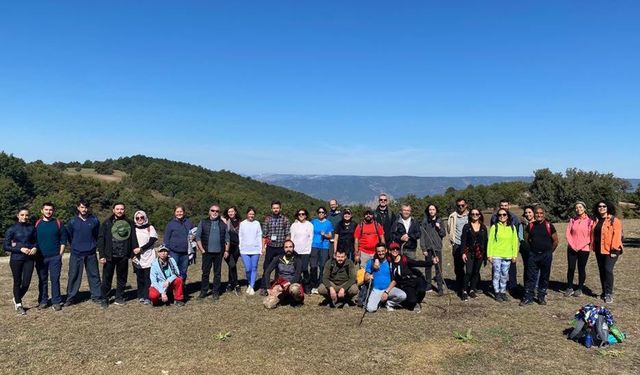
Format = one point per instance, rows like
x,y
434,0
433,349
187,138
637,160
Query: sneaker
x,y
473,294
430,291
542,301
20,310
202,295
263,292
43,306
464,296
577,293
569,292
314,291
417,309
147,302
608,298
179,303
498,297
57,307
104,304
70,302
250,291
237,290
215,296
505,297
526,302
119,302
141,300
94,300
390,308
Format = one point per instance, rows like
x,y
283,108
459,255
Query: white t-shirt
x,y
302,236
407,224
250,235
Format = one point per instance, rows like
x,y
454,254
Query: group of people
x,y
377,262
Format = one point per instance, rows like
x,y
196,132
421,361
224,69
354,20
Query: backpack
x,y
547,225
495,234
58,223
375,225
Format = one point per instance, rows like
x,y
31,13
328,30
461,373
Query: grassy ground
x,y
506,338
117,175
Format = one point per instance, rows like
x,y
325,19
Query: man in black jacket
x,y
287,285
117,242
212,239
385,217
406,230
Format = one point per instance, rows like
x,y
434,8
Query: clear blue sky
x,y
346,87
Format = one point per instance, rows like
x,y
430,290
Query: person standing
x,y
504,204
406,231
146,234
51,239
366,235
343,235
457,220
232,218
212,238
385,217
578,236
20,240
502,250
176,238
302,236
606,242
432,231
116,244
543,241
322,233
275,230
250,243
335,214
474,252
82,235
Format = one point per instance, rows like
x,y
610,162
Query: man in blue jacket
x,y
82,236
52,238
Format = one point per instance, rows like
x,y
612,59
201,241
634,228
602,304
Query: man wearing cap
x,y
366,236
165,279
286,286
117,243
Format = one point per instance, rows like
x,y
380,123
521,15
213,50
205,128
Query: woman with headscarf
x,y
147,236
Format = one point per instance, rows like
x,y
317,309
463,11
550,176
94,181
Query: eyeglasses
x,y
602,206
214,210
502,215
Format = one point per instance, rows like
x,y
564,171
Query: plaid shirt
x,y
276,230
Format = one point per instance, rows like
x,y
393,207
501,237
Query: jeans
x,y
605,266
512,281
175,289
324,257
251,268
501,268
208,260
76,264
581,258
121,268
315,261
22,271
538,263
305,270
232,263
472,274
182,261
143,280
271,253
50,266
438,267
394,299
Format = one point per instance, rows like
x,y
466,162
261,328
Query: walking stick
x,y
366,301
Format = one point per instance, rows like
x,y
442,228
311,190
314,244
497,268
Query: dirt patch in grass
x,y
117,175
136,339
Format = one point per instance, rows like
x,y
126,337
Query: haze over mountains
x,y
364,189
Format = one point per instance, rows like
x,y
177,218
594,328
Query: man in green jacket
x,y
339,280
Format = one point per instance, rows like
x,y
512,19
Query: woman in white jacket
x,y
250,236
302,237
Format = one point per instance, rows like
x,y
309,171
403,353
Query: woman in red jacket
x,y
606,242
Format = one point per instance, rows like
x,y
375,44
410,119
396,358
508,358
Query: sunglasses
x,y
382,200
214,210
502,215
139,217
301,214
602,206
321,212
462,205
475,214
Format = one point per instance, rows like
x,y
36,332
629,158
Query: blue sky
x,y
360,87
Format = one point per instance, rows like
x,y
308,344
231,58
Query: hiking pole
x,y
366,301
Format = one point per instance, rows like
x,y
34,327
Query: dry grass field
x,y
117,175
507,339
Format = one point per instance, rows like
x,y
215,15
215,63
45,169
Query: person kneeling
x,y
165,279
339,280
383,287
286,287
408,278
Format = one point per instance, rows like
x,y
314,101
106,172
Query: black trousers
x,y
438,267
605,266
232,263
22,271
538,263
143,280
271,253
472,274
458,267
415,291
209,260
580,258
121,268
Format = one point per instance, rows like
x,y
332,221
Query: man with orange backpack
x,y
543,240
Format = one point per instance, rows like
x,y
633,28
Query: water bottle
x,y
588,339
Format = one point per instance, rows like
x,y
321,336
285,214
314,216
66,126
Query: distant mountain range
x,y
364,189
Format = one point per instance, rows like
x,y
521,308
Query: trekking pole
x,y
366,301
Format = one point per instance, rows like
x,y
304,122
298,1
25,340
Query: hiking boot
x,y
542,301
202,295
263,292
417,309
237,290
440,292
57,307
215,296
464,296
526,302
141,301
70,302
473,294
498,297
20,310
505,297
43,306
314,291
569,292
104,304
577,293
147,302
179,303
608,298
119,302
390,308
